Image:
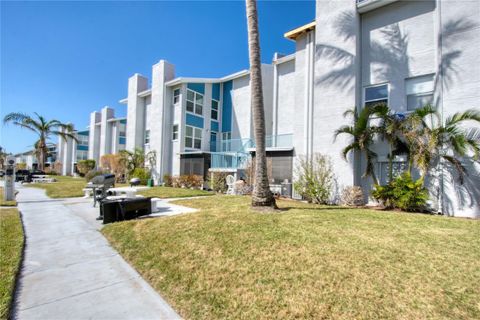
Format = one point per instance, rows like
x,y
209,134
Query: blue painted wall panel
x,y
227,106
124,121
122,140
198,87
81,147
194,121
214,126
216,91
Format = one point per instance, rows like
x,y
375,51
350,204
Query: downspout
x,y
440,75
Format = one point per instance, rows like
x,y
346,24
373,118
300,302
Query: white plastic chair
x,y
230,180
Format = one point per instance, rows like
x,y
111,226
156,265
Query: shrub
x,y
314,178
353,196
402,193
114,164
93,173
187,181
141,173
167,180
85,166
217,181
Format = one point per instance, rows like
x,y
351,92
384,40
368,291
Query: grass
x,y
65,187
4,203
11,244
306,261
169,192
69,187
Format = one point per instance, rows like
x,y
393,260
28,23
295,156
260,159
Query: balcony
x,y
229,161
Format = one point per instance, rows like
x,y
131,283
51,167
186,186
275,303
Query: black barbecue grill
x,y
100,185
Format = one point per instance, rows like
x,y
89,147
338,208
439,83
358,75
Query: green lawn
x,y
65,187
11,244
306,261
168,192
69,187
6,203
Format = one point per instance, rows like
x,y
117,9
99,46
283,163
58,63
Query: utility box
x,y
9,187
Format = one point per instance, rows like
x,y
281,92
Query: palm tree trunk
x,y
261,196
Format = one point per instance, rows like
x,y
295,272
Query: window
x,y
214,114
176,96
121,134
82,155
82,140
419,91
213,141
194,102
175,132
376,94
147,137
193,137
226,141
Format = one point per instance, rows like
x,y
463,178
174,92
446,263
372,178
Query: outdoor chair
x,y
230,180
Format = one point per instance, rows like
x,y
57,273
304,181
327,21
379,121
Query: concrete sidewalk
x,y
71,272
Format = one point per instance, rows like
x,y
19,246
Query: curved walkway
x,y
70,271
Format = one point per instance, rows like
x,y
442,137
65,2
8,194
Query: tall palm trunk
x,y
262,196
42,154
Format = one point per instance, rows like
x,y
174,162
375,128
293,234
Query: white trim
x,y
284,59
368,5
374,86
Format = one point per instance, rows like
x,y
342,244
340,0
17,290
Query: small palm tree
x,y
431,140
391,129
261,196
43,128
137,159
363,135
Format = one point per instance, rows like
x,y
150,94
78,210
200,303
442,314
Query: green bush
x,y
85,166
217,181
402,193
142,174
315,178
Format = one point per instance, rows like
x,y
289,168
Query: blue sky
x,y
67,59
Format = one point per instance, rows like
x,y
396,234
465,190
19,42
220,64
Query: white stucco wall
x,y
285,98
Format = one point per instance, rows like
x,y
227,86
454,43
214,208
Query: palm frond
x,y
468,115
15,117
343,129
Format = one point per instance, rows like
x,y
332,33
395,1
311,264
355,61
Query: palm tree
x,y
261,196
43,128
363,134
432,141
391,129
137,159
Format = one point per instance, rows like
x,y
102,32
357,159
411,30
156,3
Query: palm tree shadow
x,y
389,53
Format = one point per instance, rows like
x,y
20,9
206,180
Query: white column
x,y
94,136
135,112
161,112
105,131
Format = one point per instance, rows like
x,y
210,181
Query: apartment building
x,y
404,53
105,135
194,124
